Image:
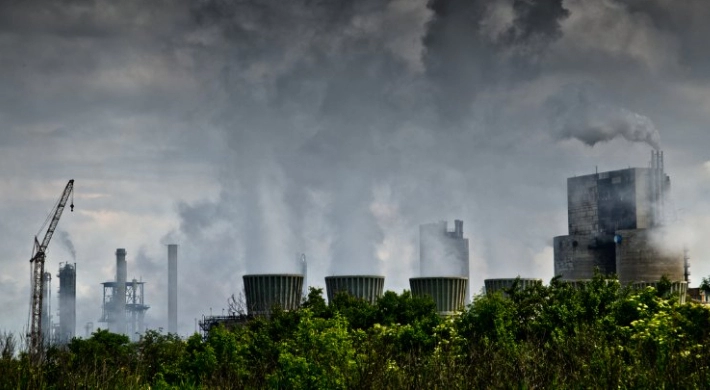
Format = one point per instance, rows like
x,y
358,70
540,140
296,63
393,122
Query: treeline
x,y
598,335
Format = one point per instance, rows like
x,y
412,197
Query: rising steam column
x,y
444,267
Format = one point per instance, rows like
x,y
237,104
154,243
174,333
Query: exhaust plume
x,y
578,112
67,242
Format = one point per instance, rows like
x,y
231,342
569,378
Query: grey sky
x,y
248,131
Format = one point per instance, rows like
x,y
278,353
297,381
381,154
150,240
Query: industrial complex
x,y
616,227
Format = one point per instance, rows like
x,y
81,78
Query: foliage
x,y
595,335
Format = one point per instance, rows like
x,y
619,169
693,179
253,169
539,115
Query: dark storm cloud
x,y
474,45
250,131
686,21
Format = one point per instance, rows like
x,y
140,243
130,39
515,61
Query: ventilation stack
x,y
501,285
448,292
47,309
265,291
367,287
119,298
172,288
67,303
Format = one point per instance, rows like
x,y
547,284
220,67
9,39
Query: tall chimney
x,y
119,297
172,288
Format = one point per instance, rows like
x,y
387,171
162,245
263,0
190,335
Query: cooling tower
x,y
265,291
641,258
67,303
448,292
367,287
172,288
119,299
496,285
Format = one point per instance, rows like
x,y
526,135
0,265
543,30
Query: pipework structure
x,y
67,303
616,223
123,308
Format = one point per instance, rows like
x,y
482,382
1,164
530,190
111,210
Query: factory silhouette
x,y
617,226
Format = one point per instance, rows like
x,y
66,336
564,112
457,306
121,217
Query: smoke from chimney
x,y
578,112
65,239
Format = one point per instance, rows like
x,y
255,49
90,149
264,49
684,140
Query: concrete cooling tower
x,y
367,287
496,285
449,293
265,291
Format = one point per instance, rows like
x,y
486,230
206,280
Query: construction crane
x,y
37,264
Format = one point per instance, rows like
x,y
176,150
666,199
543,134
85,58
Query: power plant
x,y
366,287
616,225
123,308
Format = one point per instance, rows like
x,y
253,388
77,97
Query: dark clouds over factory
x,y
250,131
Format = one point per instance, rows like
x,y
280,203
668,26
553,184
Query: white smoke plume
x,y
579,112
65,239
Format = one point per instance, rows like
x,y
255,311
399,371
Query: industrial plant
x,y
616,227
123,308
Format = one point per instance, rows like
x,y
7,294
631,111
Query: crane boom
x,y
37,262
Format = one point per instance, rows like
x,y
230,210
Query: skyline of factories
x,y
249,131
623,209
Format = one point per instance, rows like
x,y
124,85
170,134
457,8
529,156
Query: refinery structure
x,y
616,227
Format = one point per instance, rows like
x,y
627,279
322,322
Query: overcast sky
x,y
249,131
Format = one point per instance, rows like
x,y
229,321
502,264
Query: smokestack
x,y
172,288
119,297
67,303
47,309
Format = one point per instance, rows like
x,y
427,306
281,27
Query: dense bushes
x,y
599,335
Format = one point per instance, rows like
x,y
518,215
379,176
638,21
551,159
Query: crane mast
x,y
37,263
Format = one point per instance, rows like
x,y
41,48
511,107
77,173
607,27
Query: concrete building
x,y
615,221
443,252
